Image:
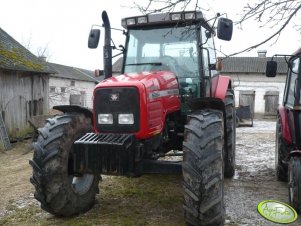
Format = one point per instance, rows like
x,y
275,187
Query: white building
x,y
250,82
70,85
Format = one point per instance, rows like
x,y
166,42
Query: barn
x,y
24,85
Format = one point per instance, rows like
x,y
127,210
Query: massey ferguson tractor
x,y
288,128
168,100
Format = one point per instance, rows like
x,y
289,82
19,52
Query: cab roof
x,y
165,19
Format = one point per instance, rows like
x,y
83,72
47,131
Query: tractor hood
x,y
149,96
151,81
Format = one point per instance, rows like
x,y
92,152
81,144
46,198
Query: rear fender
x,y
286,134
75,108
219,85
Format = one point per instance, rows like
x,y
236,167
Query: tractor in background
x,y
288,128
169,96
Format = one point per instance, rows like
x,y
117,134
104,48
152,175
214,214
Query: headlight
x,y
105,119
126,119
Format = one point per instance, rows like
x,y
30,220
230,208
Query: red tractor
x,y
288,129
168,97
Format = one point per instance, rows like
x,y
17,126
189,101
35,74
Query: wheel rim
x,y
80,185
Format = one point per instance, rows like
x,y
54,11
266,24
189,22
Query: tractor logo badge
x,y
114,97
277,212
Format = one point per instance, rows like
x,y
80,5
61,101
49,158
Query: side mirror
x,y
93,38
224,29
271,69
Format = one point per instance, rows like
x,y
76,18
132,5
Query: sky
x,y
62,27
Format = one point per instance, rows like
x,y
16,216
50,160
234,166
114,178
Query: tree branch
x,y
272,36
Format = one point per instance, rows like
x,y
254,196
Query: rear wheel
x,y
229,157
59,190
203,168
281,153
295,182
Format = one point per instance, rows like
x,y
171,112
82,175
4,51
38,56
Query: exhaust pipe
x,y
107,49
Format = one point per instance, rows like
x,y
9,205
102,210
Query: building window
x,y
52,89
72,83
63,89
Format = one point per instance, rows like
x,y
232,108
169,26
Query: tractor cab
x,y
290,110
182,43
291,97
179,43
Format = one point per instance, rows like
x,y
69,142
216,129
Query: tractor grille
x,y
123,100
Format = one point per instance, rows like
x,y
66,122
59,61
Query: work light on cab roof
x,y
155,18
179,17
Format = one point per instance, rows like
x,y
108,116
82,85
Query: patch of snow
x,y
259,126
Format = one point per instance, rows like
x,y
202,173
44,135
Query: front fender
x,y
286,134
74,108
207,102
219,85
294,153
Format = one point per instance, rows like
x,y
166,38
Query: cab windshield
x,y
163,49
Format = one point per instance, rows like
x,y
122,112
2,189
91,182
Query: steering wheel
x,y
171,63
174,66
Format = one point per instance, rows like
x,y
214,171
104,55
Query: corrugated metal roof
x,y
14,56
251,65
73,73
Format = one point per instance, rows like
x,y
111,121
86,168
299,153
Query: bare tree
x,y
40,51
273,14
154,6
43,51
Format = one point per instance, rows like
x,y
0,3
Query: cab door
x,y
292,100
207,60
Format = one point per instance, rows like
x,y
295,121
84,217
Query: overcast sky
x,y
63,27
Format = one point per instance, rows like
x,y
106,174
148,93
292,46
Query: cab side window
x,y
208,52
293,74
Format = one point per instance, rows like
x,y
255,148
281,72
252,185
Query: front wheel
x,y
60,191
203,170
294,173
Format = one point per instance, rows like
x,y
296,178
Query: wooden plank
x,y
4,135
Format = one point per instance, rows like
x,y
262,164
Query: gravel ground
x,y
255,178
